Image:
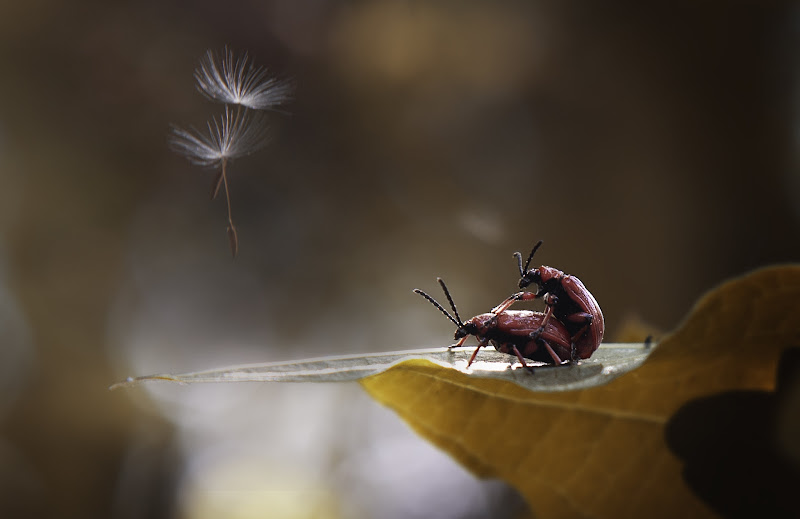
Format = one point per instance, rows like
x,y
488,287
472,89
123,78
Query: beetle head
x,y
478,325
468,328
532,276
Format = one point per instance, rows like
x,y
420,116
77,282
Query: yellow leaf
x,y
634,329
602,452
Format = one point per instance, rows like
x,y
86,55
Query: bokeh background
x,y
652,147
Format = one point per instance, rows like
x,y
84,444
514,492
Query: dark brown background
x,y
652,148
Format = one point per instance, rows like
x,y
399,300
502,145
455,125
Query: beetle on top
x,y
567,300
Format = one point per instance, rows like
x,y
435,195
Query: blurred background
x,y
652,147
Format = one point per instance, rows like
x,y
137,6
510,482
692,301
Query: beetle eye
x,y
532,276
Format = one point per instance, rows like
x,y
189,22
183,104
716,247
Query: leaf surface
x,y
602,451
610,361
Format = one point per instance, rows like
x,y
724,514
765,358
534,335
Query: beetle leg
x,y
481,344
552,353
578,317
580,333
460,343
502,307
521,358
513,298
525,296
548,313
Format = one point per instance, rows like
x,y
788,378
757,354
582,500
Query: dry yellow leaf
x,y
604,451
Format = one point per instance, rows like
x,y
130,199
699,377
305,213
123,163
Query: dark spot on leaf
x,y
728,444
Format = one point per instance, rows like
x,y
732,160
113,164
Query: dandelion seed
x,y
236,134
233,239
240,82
240,130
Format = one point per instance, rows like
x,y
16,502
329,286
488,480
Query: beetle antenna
x,y
452,304
435,303
519,262
523,270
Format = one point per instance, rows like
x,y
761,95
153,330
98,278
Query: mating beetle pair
x,y
571,327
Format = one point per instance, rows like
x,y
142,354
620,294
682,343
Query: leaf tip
x,y
134,381
128,382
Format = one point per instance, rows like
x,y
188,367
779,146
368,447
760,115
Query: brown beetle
x,y
567,300
518,332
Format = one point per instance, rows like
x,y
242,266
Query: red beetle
x,y
520,332
567,300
